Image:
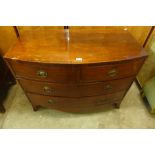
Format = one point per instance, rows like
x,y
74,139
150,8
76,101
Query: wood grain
x,y
78,68
101,73
139,32
23,29
73,73
76,90
55,73
76,104
52,47
7,38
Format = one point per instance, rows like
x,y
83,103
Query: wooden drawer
x,y
76,90
74,104
100,88
110,72
42,72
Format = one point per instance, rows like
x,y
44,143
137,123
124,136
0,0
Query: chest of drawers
x,y
78,72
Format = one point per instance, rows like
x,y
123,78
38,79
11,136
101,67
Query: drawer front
x,y
106,87
110,72
50,89
75,90
74,104
42,72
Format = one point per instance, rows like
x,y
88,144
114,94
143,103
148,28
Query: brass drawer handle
x,y
47,89
42,74
108,87
112,72
50,101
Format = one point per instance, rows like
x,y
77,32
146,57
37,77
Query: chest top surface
x,y
82,47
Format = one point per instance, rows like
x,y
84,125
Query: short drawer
x,y
42,72
74,104
110,72
76,90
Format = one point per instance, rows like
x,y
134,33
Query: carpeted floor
x,y
132,114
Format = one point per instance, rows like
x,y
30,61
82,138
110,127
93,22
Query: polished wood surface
x,y
7,38
75,70
111,71
23,29
72,73
31,28
52,47
75,104
78,90
139,32
55,73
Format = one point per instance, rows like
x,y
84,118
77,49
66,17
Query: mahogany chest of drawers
x,y
76,71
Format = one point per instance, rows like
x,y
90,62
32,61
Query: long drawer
x,y
74,73
76,90
110,72
75,104
42,72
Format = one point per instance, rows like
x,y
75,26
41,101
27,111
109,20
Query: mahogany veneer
x,y
76,90
80,71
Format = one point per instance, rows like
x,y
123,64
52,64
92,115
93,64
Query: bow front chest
x,y
76,71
